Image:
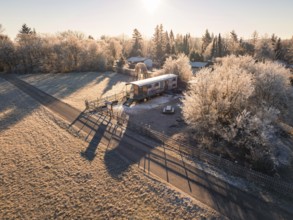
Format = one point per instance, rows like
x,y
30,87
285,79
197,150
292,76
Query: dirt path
x,y
224,198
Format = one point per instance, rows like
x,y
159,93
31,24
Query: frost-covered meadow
x,y
75,88
43,175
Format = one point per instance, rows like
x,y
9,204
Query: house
x,y
146,88
132,61
196,66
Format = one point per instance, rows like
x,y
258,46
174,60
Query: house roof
x,y
153,80
198,64
136,59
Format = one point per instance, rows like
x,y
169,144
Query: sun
x,y
151,5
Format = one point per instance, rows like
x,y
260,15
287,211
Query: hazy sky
x,y
115,17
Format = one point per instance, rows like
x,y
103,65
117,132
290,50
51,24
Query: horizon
x,y
100,17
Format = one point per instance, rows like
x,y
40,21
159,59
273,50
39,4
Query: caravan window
x,y
174,79
157,84
149,86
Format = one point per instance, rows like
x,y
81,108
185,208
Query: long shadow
x,y
208,189
119,78
59,85
94,126
62,85
14,106
90,152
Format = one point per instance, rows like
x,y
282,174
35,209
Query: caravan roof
x,y
153,80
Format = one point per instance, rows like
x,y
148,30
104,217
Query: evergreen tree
x,y
220,46
162,39
172,42
137,43
168,44
185,44
26,30
179,43
158,44
279,50
234,45
274,39
195,56
206,40
214,48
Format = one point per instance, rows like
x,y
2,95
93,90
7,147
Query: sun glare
x,y
151,5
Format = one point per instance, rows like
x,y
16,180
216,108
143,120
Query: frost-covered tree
x,y
236,106
234,44
114,49
264,50
7,54
209,52
206,40
64,52
179,66
288,52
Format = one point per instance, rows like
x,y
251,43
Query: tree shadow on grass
x,y
115,164
59,85
90,152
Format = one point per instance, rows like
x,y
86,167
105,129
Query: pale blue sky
x,y
115,17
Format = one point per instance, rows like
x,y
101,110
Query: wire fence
x,y
268,182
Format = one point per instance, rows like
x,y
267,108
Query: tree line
x,y
71,51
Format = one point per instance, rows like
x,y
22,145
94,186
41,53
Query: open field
x,y
44,176
75,88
